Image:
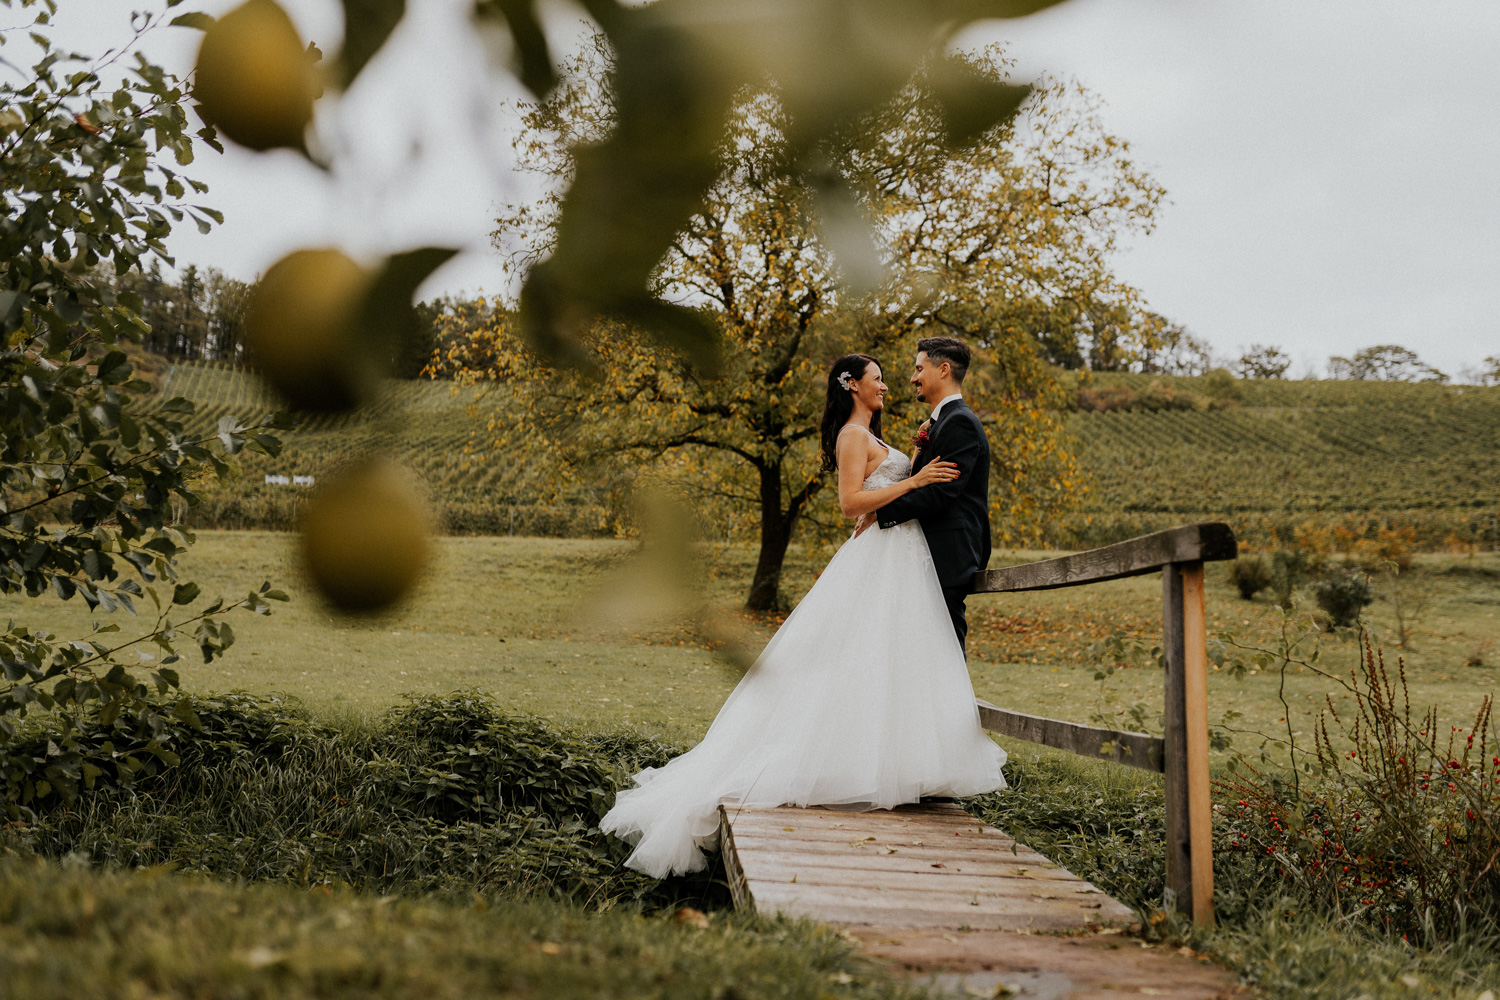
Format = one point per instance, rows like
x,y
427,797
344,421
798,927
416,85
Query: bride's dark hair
x,y
841,404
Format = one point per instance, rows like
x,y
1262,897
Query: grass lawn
x,y
514,618
82,934
521,621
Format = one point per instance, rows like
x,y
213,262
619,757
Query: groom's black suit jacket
x,y
954,516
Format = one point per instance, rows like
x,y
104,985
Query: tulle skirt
x,y
862,699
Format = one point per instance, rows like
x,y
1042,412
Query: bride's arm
x,y
854,500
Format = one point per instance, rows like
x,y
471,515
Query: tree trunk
x,y
775,535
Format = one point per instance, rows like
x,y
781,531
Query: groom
x,y
954,516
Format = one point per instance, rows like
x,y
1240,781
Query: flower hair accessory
x,y
845,380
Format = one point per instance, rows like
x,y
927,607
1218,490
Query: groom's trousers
x,y
954,598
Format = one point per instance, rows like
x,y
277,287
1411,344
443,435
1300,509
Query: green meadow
x,y
519,619
350,880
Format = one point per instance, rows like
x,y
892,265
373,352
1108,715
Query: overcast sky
x,y
1331,165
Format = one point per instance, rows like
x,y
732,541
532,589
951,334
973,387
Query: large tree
x,y
994,242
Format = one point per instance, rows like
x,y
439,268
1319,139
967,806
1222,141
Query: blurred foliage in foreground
x,y
90,466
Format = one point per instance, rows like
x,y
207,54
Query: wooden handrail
x,y
1210,541
1181,754
1123,747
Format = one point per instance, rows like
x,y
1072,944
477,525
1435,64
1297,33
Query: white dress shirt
x,y
945,400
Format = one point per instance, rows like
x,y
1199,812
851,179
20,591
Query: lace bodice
x,y
895,468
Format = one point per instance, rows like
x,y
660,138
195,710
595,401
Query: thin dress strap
x,y
867,431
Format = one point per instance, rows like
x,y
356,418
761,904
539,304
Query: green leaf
x,y
185,593
200,21
114,368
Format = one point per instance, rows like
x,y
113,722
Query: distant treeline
x,y
201,317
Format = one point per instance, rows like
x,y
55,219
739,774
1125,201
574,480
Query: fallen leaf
x,y
551,948
691,917
937,864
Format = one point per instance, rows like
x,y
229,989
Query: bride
x,y
862,699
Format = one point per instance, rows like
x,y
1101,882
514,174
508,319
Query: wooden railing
x,y
1181,755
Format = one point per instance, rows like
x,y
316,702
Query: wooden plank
x,y
927,880
892,831
1131,749
1042,911
927,854
908,859
1195,712
1179,870
890,919
927,808
873,819
1031,899
766,860
1206,542
945,840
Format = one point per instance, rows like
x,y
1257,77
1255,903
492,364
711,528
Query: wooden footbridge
x,y
930,887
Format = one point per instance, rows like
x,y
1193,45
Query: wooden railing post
x,y
1190,873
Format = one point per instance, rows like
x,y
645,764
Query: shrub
x,y
1105,398
1390,548
1342,597
1250,575
1389,820
1290,568
442,794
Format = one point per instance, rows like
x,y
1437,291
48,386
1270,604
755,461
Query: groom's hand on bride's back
x,y
936,471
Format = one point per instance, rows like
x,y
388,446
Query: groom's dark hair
x,y
949,349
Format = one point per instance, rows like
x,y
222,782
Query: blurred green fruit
x,y
365,536
256,81
301,335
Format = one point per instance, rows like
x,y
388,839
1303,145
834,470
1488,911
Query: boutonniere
x,y
919,439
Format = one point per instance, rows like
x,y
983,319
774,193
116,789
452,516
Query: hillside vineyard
x,y
1269,456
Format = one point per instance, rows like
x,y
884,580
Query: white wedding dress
x,y
862,700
